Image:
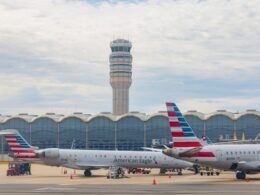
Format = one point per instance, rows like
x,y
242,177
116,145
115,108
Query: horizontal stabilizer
x,y
190,152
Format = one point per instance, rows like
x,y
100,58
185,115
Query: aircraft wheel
x,y
241,175
87,173
180,172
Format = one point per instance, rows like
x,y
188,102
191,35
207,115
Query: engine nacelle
x,y
49,153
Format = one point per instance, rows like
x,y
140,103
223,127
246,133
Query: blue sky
x,y
204,55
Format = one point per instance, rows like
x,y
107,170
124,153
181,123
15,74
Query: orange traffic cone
x,y
170,176
154,181
71,176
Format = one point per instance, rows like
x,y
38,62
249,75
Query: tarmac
x,y
52,180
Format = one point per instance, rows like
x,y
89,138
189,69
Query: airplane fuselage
x,y
243,157
91,159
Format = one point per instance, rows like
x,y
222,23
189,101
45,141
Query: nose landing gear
x,y
241,175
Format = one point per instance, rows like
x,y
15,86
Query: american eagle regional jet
x,y
242,158
88,159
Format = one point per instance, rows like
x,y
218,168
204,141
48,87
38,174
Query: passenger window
x,y
226,153
235,153
253,152
249,152
244,152
240,152
231,153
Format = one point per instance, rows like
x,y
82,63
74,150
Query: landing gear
x,y
179,171
196,168
163,171
87,173
241,175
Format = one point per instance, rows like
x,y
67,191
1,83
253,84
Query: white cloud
x,y
59,46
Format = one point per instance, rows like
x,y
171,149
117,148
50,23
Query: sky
x,y
202,54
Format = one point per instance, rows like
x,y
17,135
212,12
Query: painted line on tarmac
x,y
54,189
67,184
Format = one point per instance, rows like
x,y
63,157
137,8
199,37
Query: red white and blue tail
x,y
182,134
20,148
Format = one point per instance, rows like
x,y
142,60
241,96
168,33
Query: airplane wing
x,y
152,149
92,166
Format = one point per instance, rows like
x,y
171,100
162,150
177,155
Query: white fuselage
x,y
244,157
92,159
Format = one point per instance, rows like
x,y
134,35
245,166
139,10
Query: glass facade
x,y
128,132
249,124
157,131
67,135
220,125
101,133
197,124
44,133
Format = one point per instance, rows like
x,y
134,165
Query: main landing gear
x,y
87,173
241,175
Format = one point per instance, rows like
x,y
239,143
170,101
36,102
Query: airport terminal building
x,y
130,131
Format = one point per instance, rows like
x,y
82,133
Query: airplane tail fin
x,y
182,134
20,148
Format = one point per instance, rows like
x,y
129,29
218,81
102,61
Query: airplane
x,y
241,158
88,159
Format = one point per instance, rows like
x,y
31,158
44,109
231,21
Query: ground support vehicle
x,y
164,171
18,168
115,173
209,171
139,171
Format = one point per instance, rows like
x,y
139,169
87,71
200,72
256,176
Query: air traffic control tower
x,y
120,74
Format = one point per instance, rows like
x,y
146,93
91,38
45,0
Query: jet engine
x,y
49,153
